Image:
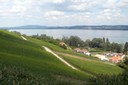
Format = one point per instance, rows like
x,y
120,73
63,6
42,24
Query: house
x,y
84,51
88,53
115,59
62,44
77,49
101,57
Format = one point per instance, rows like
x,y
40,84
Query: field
x,y
25,60
93,67
31,57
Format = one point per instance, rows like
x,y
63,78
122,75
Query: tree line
x,y
99,43
46,38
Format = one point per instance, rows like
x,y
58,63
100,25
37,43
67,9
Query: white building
x,y
101,57
88,54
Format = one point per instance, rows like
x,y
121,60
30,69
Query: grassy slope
x,y
87,66
29,55
58,48
94,67
90,66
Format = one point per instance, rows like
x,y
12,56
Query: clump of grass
x,y
121,79
11,75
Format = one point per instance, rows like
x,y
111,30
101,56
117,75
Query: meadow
x,y
31,57
25,62
94,67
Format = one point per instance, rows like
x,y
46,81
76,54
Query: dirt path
x,y
61,59
73,56
81,58
23,38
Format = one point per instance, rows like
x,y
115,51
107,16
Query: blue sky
x,y
63,12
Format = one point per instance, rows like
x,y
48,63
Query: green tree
x,y
74,41
65,39
126,48
104,40
115,47
87,43
107,40
97,43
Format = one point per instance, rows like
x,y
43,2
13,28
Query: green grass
x,y
94,67
17,76
58,48
30,56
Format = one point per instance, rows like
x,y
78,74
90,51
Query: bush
x,y
11,75
64,47
121,79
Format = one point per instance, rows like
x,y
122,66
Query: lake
x,y
119,36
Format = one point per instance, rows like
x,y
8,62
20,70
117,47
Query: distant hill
x,y
98,27
102,27
25,27
30,27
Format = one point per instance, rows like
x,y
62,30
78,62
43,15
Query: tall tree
x,y
126,48
103,40
107,40
75,41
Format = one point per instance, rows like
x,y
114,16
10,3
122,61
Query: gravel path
x,y
61,59
23,38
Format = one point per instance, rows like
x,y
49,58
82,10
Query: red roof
x,y
83,50
115,59
77,49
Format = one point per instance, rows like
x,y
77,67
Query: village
x,y
111,56
104,56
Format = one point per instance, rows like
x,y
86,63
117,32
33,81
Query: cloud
x,y
110,4
54,13
57,1
14,8
48,1
123,4
65,12
78,7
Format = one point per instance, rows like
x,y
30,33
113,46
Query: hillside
x,y
20,54
22,61
84,27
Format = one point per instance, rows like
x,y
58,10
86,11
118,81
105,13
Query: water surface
x,y
113,35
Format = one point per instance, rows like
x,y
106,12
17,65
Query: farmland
x,y
22,61
94,67
18,53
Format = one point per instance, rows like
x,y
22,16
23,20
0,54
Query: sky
x,y
63,12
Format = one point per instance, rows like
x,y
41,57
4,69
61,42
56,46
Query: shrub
x,y
121,79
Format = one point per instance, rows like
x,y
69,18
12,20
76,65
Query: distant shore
x,y
100,27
